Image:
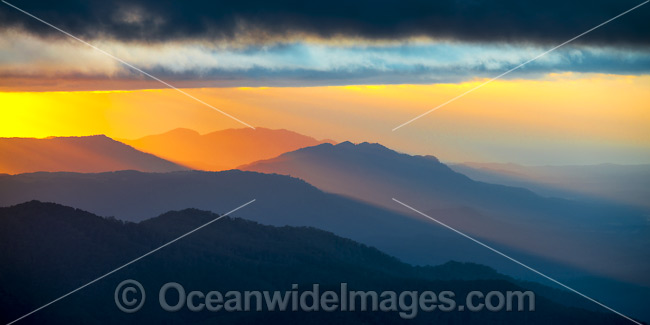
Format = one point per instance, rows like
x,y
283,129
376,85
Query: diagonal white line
x,y
129,65
133,261
519,66
516,261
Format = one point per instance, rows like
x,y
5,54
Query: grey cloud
x,y
551,21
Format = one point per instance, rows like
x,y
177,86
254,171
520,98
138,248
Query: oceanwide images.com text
x,y
172,297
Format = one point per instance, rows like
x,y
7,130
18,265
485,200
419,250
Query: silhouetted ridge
x,y
48,249
221,150
510,216
97,153
577,230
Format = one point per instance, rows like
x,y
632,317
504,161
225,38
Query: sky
x,y
340,70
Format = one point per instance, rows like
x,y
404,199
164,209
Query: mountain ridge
x,y
135,196
244,254
513,216
96,153
223,149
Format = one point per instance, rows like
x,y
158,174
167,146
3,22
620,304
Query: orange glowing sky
x,y
560,119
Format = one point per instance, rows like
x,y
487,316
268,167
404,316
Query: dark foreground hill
x,y
282,200
46,250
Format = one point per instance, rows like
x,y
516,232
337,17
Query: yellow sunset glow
x,y
578,108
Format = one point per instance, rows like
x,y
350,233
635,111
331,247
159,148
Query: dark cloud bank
x,y
551,21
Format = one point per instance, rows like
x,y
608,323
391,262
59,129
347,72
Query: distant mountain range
x,y
46,250
570,239
512,216
221,150
179,149
281,200
627,184
89,154
376,174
